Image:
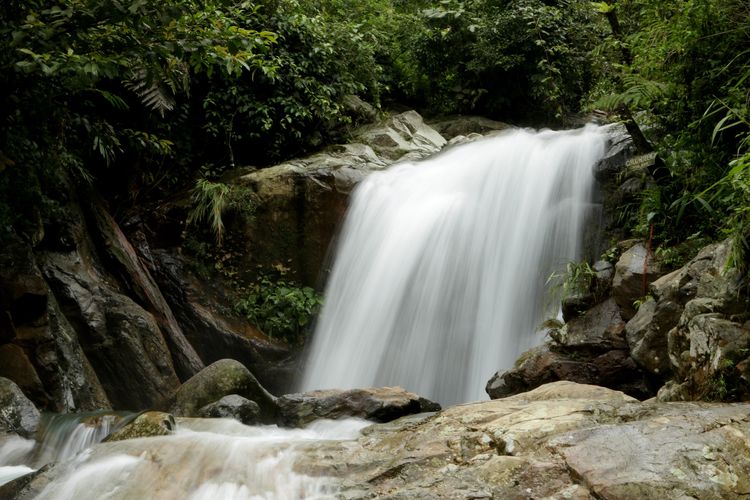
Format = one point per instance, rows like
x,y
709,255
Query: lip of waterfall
x,y
205,459
439,275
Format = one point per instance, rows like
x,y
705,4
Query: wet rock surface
x,y
147,424
17,414
589,349
233,406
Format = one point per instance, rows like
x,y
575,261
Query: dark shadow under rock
x,y
381,404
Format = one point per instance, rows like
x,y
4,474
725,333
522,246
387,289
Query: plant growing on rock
x,y
282,309
577,279
212,200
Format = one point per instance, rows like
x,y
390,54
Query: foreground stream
x,y
202,459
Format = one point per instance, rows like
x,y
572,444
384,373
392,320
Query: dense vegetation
x,y
141,99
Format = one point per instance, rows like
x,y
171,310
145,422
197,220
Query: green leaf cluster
x,y
281,309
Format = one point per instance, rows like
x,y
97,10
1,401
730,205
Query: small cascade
x,y
204,460
64,436
61,437
439,276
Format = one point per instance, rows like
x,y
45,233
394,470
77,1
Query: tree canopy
x,y
145,98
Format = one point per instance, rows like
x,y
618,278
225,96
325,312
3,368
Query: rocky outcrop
x,y
121,339
452,127
220,379
381,404
17,414
708,344
620,150
301,202
202,310
588,349
83,324
562,440
39,349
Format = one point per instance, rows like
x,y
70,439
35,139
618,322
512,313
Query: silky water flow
x,y
439,277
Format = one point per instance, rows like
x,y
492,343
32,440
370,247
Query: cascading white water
x,y
204,460
439,277
63,437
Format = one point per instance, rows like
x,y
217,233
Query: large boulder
x,y
17,414
219,379
380,404
647,334
634,271
599,329
588,349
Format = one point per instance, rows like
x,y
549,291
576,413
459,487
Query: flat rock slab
x,y
562,440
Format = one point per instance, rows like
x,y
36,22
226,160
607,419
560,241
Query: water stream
x,y
205,459
438,280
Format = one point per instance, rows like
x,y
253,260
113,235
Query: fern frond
x,y
638,93
155,95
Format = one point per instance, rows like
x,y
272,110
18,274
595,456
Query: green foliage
x,y
281,309
682,69
517,59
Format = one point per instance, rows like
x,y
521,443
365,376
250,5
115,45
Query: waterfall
x,y
439,277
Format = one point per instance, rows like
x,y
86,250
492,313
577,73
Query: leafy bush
x,y
281,309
